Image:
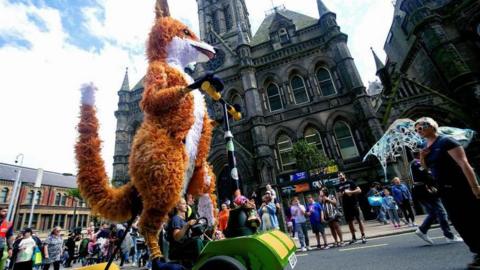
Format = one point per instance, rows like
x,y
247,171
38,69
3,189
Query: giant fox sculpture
x,y
169,151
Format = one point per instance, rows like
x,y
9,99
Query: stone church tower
x,y
294,79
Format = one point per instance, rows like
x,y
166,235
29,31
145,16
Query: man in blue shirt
x,y
315,213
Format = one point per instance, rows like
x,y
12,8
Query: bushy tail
x,y
92,179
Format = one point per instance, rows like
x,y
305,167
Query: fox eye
x,y
187,32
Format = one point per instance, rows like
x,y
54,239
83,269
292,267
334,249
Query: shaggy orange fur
x,y
158,156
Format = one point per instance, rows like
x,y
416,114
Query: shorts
x,y
318,228
351,213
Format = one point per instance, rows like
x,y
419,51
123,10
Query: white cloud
x,y
39,97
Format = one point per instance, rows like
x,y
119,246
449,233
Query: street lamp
x,y
16,189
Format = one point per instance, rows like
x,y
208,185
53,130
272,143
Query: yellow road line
x,y
364,247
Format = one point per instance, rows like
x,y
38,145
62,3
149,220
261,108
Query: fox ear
x,y
161,9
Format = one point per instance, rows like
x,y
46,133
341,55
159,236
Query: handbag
x,y
36,256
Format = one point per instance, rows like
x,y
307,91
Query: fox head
x,y
172,41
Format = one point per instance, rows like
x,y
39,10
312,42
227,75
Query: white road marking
x,y
364,247
302,255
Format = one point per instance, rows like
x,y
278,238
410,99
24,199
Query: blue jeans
x,y
435,209
301,229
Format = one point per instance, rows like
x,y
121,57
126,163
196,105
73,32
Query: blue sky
x,y
48,48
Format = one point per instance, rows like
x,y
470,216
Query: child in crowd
x,y
391,206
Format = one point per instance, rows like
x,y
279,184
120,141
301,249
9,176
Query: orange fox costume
x,y
169,152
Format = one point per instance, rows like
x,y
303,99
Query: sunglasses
x,y
422,127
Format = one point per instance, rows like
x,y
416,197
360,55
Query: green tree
x,y
309,157
74,193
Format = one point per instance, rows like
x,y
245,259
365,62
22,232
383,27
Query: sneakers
x,y
303,249
475,264
364,240
424,236
455,239
353,241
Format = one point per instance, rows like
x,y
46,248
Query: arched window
x,y
313,137
39,196
345,141
58,198
299,90
274,99
283,34
237,100
64,200
4,195
228,18
285,151
325,81
30,197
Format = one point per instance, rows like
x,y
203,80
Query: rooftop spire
x,y
378,62
322,9
125,84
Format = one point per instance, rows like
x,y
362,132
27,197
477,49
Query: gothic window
x,y
274,98
283,34
345,141
4,195
312,136
64,200
285,151
228,18
216,23
58,198
325,81
39,196
237,100
299,90
30,195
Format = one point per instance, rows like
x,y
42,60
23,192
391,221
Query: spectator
x,y
6,237
390,205
26,248
126,244
267,212
298,213
375,200
52,249
332,215
425,192
456,180
403,197
223,217
70,246
135,236
315,212
348,192
273,194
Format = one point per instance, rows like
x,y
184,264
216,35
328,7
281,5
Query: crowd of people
x,y
27,251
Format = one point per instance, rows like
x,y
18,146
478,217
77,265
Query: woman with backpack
x,y
332,215
52,248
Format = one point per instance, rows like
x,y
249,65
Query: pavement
x,y
373,229
403,251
